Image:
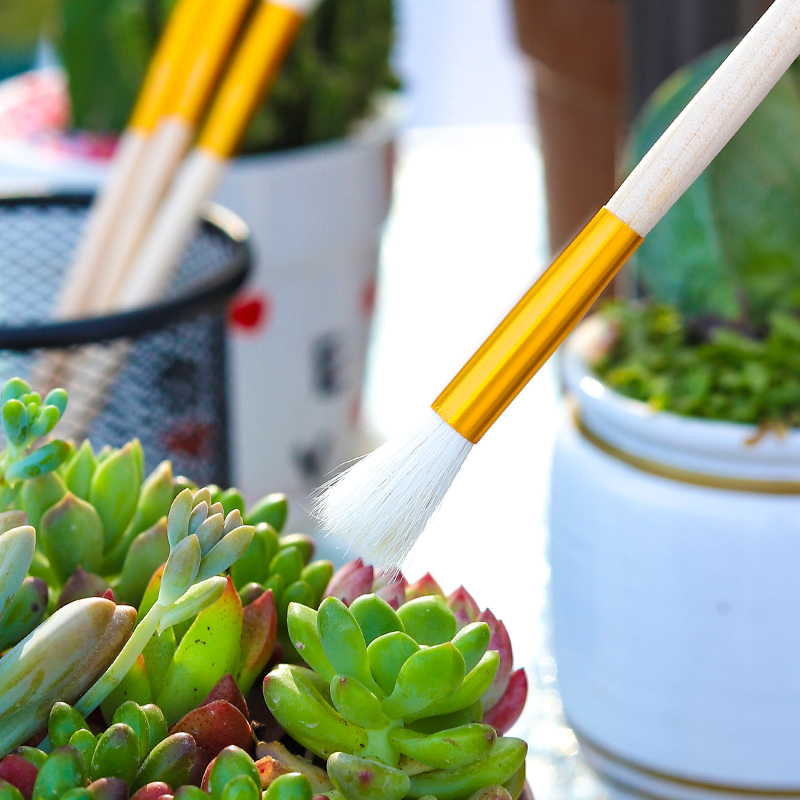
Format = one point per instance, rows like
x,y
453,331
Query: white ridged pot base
x,y
675,553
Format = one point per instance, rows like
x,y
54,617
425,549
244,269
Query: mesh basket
x,y
157,373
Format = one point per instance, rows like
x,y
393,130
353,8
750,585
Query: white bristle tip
x,y
381,504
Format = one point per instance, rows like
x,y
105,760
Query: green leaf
x,y
115,492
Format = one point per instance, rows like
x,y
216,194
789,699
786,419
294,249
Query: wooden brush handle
x,y
711,119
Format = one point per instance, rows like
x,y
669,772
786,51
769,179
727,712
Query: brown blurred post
x,y
577,52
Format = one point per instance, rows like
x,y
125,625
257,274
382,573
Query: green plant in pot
x,y
168,700
714,330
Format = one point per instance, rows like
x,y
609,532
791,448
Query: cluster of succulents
x,y
235,666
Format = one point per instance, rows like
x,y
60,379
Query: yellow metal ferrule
x,y
252,73
536,326
170,53
214,38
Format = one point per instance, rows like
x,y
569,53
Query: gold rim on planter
x,y
676,781
687,476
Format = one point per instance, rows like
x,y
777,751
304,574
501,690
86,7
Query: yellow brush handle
x,y
529,335
255,66
169,56
536,326
218,32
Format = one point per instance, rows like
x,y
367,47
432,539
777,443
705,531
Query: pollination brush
x,y
382,503
213,38
251,74
130,154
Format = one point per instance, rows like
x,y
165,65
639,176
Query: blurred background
x,y
416,168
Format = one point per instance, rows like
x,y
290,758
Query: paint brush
x,y
380,505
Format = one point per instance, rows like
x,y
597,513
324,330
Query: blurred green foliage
x,y
336,67
730,247
711,371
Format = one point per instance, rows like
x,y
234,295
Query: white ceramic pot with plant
x,y
675,499
675,555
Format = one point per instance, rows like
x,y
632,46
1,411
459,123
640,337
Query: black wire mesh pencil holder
x,y
165,365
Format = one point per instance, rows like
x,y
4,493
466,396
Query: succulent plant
x,y
392,699
26,418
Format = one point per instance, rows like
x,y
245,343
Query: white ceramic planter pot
x,y
301,330
675,552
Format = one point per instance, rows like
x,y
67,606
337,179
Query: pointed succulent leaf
x,y
148,552
199,597
297,592
303,631
302,541
375,617
233,520
85,742
79,471
428,620
253,566
232,499
277,585
132,715
210,531
390,587
202,495
387,654
443,722
307,716
158,654
108,789
515,785
463,605
429,675
45,421
227,689
501,642
116,754
63,770
60,659
272,509
209,650
241,787
317,575
12,519
503,761
363,779
356,703
343,642
18,769
472,641
82,584
71,534
40,462
225,552
250,592
15,423
454,747
288,562
351,581
178,520
153,506
58,398
16,553
198,516
13,389
259,630
157,722
63,721
38,495
292,786
180,570
503,714
170,761
138,457
231,762
215,726
426,586
27,610
114,492
473,687
34,755
135,686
